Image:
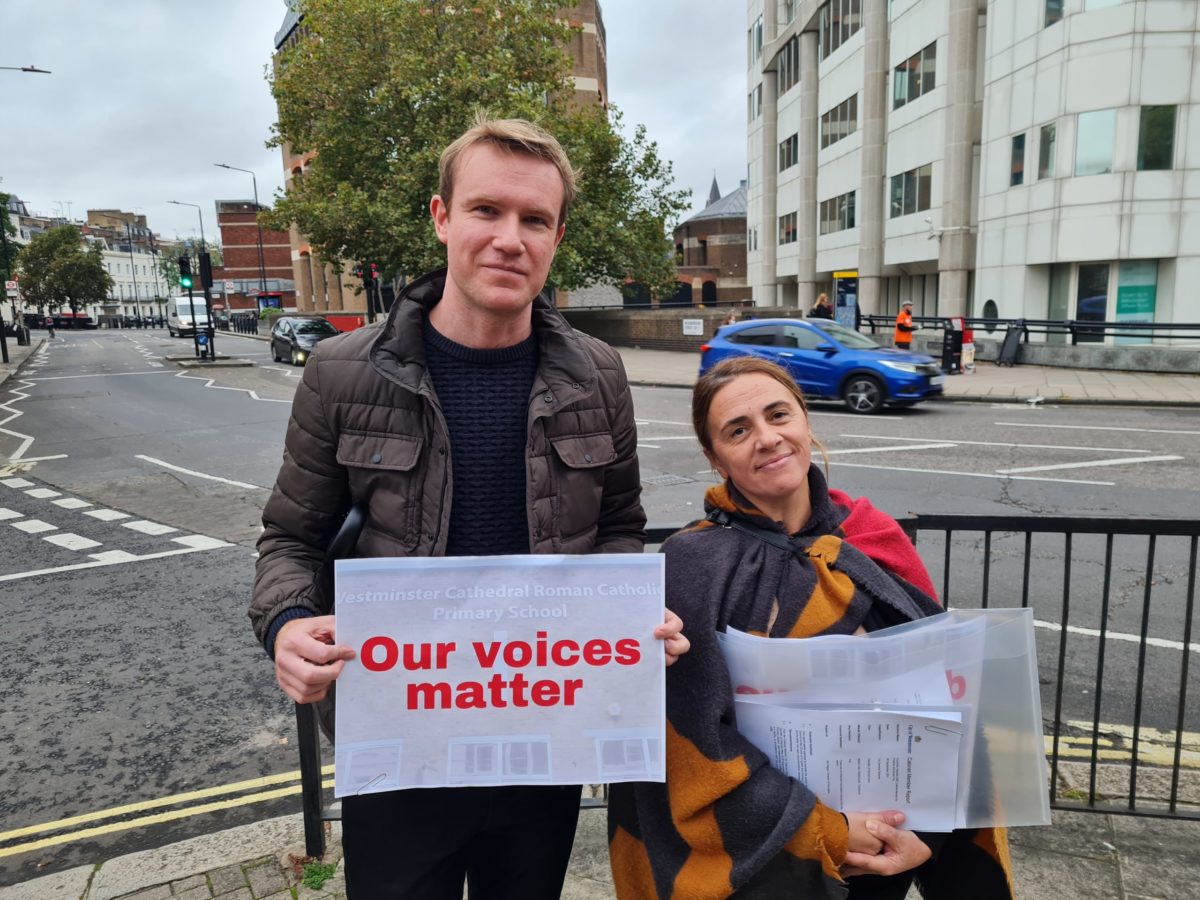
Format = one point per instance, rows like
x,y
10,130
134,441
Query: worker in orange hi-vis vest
x,y
904,326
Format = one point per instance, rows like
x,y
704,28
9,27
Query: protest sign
x,y
499,670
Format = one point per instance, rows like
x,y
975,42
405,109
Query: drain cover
x,y
667,480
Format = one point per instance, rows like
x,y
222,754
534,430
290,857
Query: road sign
x,y
229,285
12,288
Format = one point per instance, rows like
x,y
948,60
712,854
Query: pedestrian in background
x,y
473,365
902,337
822,309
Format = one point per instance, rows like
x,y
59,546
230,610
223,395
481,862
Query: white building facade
x,y
1009,158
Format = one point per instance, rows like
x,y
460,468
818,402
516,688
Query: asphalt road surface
x,y
140,710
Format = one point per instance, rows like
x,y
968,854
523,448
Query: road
x,y
138,699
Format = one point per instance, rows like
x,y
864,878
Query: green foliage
x,y
316,874
57,270
9,247
168,268
379,88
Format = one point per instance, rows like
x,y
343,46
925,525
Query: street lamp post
x,y
262,266
212,348
133,271
3,338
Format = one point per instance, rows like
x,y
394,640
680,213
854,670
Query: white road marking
x,y
193,472
146,527
34,526
883,437
210,383
97,375
10,514
109,560
662,422
113,556
1092,464
31,459
941,446
105,515
1097,428
72,541
71,503
42,493
975,474
200,542
17,483
1163,643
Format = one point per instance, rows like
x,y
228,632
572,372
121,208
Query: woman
x,y
726,823
822,309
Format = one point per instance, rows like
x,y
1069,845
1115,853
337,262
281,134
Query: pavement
x,y
1081,855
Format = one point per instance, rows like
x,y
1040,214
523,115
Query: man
x,y
474,421
904,326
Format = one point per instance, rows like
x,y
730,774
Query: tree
x,y
57,270
378,88
8,244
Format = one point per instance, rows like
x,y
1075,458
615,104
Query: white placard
x,y
693,326
499,670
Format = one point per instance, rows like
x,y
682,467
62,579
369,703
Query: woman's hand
x,y
901,850
862,840
670,632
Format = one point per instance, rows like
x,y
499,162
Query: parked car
x,y
831,362
293,337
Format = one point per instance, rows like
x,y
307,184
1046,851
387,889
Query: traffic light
x,y
367,271
205,270
374,272
185,272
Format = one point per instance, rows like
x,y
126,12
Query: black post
x,y
4,256
195,327
309,739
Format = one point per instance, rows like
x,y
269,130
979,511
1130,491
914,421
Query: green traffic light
x,y
185,281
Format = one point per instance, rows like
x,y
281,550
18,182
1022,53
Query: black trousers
x,y
507,843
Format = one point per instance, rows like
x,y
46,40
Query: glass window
x,y
1017,166
1054,12
1091,299
1046,151
787,229
914,77
912,191
760,335
839,21
800,338
1156,138
924,187
1094,137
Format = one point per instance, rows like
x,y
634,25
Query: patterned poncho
x,y
726,823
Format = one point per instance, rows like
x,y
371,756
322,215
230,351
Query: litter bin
x,y
22,336
952,346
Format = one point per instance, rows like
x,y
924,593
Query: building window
x,y
837,213
1046,151
1016,172
1156,138
839,122
839,20
754,40
912,191
755,101
1054,12
915,76
787,229
1094,136
789,11
788,62
789,149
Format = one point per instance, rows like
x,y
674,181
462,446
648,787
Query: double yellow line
x,y
67,830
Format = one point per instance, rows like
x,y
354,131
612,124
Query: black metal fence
x,y
1114,602
1072,331
244,323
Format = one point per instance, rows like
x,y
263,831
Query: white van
x,y
179,316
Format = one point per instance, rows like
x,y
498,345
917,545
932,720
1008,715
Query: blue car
x,y
831,362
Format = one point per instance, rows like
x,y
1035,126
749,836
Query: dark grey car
x,y
294,337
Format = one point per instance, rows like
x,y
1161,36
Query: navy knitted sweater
x,y
484,395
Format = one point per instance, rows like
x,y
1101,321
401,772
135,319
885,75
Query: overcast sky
x,y
145,95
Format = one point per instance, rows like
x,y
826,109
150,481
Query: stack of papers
x,y
871,722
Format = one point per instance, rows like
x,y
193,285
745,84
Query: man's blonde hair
x,y
515,136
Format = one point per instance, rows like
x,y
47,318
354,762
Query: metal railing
x,y
1079,575
1073,330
